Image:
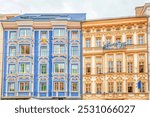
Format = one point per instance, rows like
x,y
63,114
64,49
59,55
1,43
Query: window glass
x,y
59,68
13,35
43,86
44,51
25,49
74,50
74,86
12,51
11,86
74,69
24,86
12,69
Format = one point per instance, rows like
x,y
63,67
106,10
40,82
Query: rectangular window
x,y
44,51
130,87
11,86
74,86
13,35
74,69
142,90
88,43
99,68
98,42
24,68
141,39
12,51
43,68
74,50
12,69
59,86
59,68
129,40
59,32
24,49
119,66
88,88
43,86
110,87
74,34
59,49
108,40
130,67
56,86
110,66
25,32
141,67
99,88
119,87
44,34
24,86
88,69
118,40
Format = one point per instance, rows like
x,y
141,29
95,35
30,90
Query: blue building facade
x,y
43,56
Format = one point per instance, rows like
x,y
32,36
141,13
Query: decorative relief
x,y
59,59
130,58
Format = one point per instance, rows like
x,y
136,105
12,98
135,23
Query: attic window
x,y
140,26
117,28
129,27
98,30
88,31
108,29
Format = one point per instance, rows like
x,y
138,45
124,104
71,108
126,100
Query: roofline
x,y
115,18
43,20
50,13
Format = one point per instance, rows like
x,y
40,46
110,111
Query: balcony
x,y
114,48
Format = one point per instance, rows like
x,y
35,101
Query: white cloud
x,y
93,8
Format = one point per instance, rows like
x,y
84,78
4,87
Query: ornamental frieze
x,y
59,58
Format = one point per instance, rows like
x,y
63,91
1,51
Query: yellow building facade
x,y
115,59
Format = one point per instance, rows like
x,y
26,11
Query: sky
x,y
95,9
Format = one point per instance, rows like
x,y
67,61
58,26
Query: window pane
x,y
74,50
75,86
24,86
44,34
25,49
61,86
61,67
13,35
43,86
12,51
59,32
88,43
43,51
43,69
56,49
12,69
74,34
62,49
25,68
74,69
56,68
22,32
11,86
99,87
28,32
88,88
